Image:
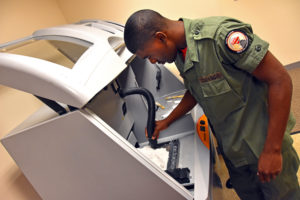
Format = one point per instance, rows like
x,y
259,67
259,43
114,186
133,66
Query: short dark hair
x,y
140,27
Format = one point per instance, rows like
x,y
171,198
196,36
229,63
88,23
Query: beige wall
x,y
19,18
277,21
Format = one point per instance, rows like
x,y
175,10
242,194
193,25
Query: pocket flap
x,y
215,87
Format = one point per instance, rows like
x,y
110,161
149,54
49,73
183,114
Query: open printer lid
x,y
93,54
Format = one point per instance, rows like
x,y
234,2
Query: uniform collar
x,y
195,30
191,54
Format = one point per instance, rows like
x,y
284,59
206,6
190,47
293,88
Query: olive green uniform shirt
x,y
220,80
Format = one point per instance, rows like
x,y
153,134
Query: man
x,y
243,89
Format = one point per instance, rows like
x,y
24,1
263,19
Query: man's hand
x,y
159,126
186,104
280,88
269,166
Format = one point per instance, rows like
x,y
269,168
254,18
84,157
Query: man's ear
x,y
161,36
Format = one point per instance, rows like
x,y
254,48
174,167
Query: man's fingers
x,y
267,177
273,176
261,177
146,133
155,135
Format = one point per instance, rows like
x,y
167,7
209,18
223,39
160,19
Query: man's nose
x,y
152,60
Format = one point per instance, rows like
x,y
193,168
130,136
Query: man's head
x,y
147,34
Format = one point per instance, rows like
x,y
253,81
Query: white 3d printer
x,y
86,142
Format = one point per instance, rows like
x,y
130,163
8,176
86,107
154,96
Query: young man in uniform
x,y
243,89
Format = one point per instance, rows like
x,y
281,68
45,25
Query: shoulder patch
x,y
237,41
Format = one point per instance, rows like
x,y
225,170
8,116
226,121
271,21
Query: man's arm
x,y
271,71
187,103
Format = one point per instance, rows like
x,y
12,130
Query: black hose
x,y
151,110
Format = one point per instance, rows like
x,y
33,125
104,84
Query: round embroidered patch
x,y
237,41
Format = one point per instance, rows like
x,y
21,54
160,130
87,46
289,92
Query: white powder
x,y
158,156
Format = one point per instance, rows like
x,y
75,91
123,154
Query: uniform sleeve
x,y
236,44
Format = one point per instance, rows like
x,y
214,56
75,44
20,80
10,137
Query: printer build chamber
x,y
93,150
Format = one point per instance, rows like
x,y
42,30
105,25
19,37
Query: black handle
x,y
151,110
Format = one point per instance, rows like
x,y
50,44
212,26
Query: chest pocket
x,y
215,88
217,98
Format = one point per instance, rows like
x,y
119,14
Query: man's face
x,y
158,51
